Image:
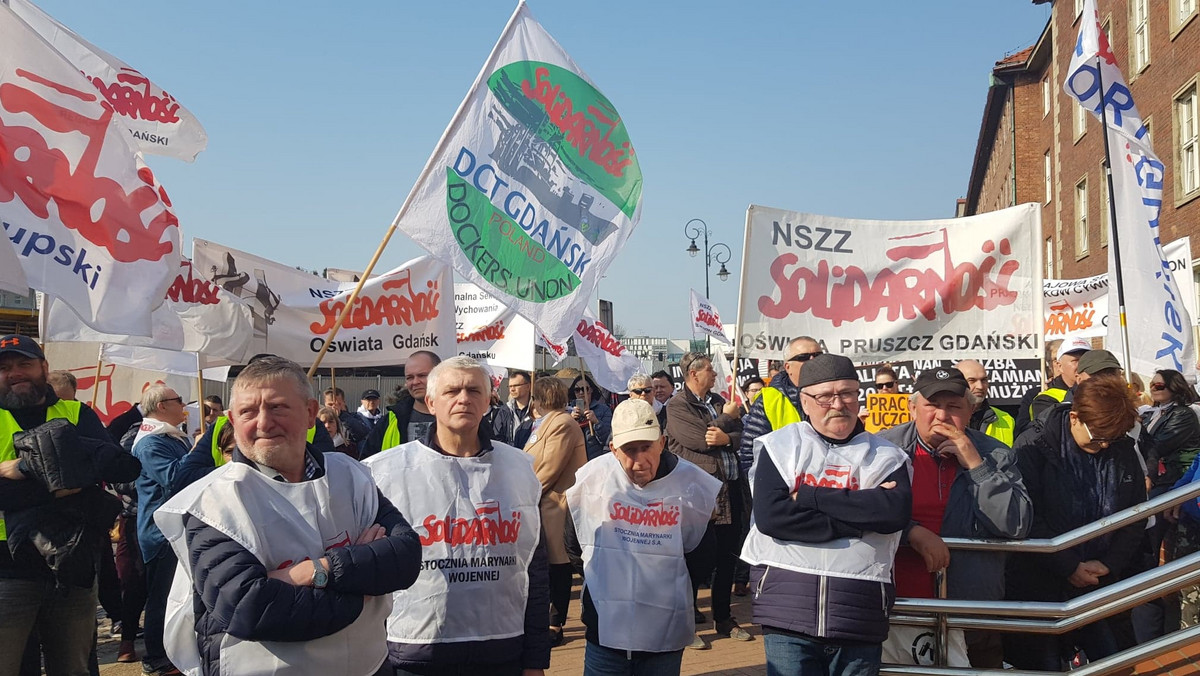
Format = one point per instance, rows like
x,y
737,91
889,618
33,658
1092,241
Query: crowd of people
x,y
441,534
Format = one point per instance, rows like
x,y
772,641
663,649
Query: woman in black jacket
x,y
1171,432
1081,468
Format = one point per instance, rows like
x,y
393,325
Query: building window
x,y
1107,28
1047,92
1105,205
1187,149
1049,186
1139,26
1182,11
1081,117
1081,218
1049,258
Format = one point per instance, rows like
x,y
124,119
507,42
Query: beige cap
x,y
634,420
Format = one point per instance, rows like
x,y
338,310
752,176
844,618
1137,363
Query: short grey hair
x,y
459,363
153,396
270,369
638,380
689,362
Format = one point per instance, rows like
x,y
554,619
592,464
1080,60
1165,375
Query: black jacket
x,y
69,530
233,595
402,409
1174,442
1043,577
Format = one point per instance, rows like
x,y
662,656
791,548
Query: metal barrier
x,y
1057,618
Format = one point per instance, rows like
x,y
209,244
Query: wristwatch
x,y
320,576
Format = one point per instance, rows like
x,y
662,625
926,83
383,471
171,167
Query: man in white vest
x,y
830,502
636,513
482,600
287,557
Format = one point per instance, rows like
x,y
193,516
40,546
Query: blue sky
x,y
320,115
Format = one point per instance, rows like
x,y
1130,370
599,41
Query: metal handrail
x,y
1086,532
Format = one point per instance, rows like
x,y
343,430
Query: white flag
x,y
706,320
89,222
156,123
725,383
170,362
12,276
611,364
534,187
557,350
1160,332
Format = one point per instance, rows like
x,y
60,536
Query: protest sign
x,y
885,411
887,290
1075,307
1009,379
1178,255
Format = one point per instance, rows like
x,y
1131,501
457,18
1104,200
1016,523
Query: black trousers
x,y
560,592
729,539
160,572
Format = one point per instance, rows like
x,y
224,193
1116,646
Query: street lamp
x,y
718,252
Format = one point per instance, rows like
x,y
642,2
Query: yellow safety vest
x,y
9,428
1055,393
218,455
391,436
1002,428
779,409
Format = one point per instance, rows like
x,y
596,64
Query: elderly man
x,y
830,501
638,516
779,402
60,607
480,604
641,386
409,418
965,484
161,448
288,557
1058,390
704,430
987,418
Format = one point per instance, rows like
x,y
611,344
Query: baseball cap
x,y
937,380
370,394
18,344
1070,345
1093,361
634,420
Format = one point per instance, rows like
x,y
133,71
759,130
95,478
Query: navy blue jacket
x,y
233,595
755,423
161,457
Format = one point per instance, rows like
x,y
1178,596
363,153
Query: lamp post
x,y
711,253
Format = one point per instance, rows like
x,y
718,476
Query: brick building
x,y
1036,144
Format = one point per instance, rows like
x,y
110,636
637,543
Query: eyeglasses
x,y
803,357
1103,441
178,399
826,400
1158,387
638,390
581,389
886,386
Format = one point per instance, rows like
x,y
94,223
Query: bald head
x,y
977,378
799,346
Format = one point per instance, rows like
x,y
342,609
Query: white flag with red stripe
x,y
156,123
88,222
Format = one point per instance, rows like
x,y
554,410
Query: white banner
x,y
162,361
611,364
407,309
88,221
196,317
120,387
12,276
490,332
1076,308
706,321
886,290
535,185
157,123
1160,332
1178,255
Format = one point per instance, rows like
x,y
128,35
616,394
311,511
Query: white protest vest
x,y
633,542
282,524
801,456
479,524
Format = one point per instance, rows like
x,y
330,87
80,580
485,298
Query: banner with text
x,y
885,411
706,321
1158,323
1008,379
86,218
1075,307
887,290
407,309
535,185
489,331
120,387
1178,255
610,363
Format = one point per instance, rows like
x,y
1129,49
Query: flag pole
x,y
429,166
96,382
201,409
1112,225
737,340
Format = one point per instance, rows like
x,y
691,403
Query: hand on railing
x,y
931,548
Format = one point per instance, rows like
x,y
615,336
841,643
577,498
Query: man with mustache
x,y
830,501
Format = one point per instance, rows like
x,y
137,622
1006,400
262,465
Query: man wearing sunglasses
x,y
779,402
830,499
161,448
965,484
